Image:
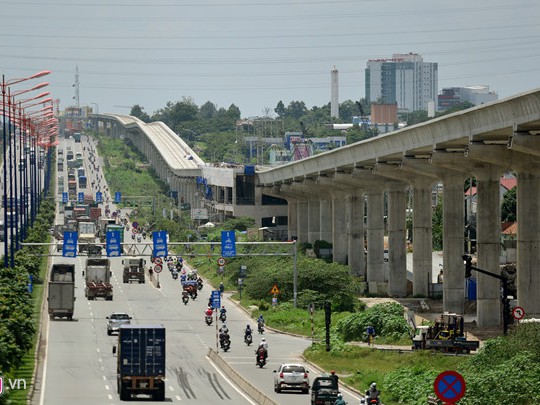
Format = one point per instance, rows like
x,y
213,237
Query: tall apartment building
x,y
404,79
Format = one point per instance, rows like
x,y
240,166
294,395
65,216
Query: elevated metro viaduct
x,y
225,190
327,195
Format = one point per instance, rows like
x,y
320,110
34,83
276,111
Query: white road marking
x,y
97,349
104,378
171,388
110,396
107,387
178,397
44,379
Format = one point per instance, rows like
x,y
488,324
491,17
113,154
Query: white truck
x,y
133,270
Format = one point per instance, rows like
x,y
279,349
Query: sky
x,y
255,53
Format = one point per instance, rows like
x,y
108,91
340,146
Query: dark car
x,y
324,390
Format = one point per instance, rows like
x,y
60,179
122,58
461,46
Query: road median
x,y
240,381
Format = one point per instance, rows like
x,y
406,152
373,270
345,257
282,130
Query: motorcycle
x,y
139,238
222,316
185,299
260,328
193,294
248,339
208,319
199,284
175,275
225,343
370,401
261,361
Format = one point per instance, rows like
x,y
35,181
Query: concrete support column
x,y
325,213
355,234
422,238
375,239
314,219
453,234
397,258
292,219
488,229
528,243
339,228
302,220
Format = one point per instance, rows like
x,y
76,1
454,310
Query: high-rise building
x,y
404,79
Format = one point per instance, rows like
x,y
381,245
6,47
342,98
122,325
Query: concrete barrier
x,y
240,381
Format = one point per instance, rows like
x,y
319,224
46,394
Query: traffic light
x,y
468,265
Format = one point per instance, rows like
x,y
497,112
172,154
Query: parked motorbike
x,y
208,319
185,299
248,339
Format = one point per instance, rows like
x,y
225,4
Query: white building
x,y
404,79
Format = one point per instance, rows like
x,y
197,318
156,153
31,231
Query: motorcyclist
x,y
373,392
222,311
263,344
224,329
261,350
340,400
260,324
247,332
223,334
185,294
209,311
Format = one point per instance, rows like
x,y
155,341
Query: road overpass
x,y
329,193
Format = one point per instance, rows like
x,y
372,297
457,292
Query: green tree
x,y
296,109
509,206
437,226
138,111
280,109
207,111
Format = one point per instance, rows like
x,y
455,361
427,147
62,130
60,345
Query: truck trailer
x,y
141,361
61,291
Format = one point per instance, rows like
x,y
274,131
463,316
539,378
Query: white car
x,y
291,376
115,320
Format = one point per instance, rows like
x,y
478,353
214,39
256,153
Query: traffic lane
x,y
73,362
282,348
190,375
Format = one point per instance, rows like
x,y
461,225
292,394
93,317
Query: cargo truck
x,y
82,181
87,235
61,293
114,227
103,223
141,361
133,270
98,279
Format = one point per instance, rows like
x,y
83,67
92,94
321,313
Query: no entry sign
x,y
449,386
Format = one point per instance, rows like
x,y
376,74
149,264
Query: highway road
x,y
79,366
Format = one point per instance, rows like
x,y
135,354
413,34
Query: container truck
x,y
98,279
141,361
61,291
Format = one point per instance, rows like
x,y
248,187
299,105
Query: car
x,y
115,320
325,390
291,376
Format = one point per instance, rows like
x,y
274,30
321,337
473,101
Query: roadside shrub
x,y
386,318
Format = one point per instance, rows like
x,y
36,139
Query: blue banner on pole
x,y
99,197
69,248
65,198
216,299
160,243
80,197
117,197
228,244
114,248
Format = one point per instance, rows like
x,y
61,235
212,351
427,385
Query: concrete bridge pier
x,y
375,239
397,259
355,233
